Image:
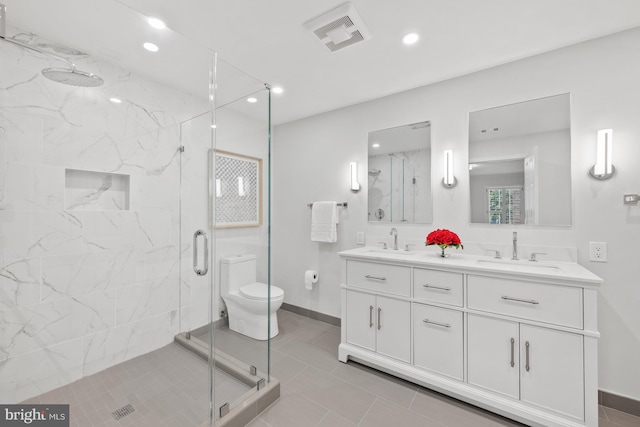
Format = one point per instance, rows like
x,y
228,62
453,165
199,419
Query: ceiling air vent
x,y
339,27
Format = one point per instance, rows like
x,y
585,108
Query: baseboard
x,y
311,314
620,403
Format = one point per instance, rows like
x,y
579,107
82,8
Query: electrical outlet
x,y
598,251
360,238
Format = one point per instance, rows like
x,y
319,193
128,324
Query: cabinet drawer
x,y
559,305
391,279
438,286
438,340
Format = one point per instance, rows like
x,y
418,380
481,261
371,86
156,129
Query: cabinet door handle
x,y
370,316
375,277
379,324
444,325
426,285
526,346
513,342
528,301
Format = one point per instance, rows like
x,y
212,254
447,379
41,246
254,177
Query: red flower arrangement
x,y
443,238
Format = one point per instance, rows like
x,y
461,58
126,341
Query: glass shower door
x,y
224,213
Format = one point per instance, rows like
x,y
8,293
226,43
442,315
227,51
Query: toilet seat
x,y
258,291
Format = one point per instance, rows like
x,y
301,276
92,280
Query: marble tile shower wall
x,y
84,288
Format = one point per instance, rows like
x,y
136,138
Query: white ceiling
x,y
267,40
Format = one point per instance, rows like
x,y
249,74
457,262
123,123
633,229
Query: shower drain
x,y
123,412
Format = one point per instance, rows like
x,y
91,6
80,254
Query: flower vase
x,y
443,254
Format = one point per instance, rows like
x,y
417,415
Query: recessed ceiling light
x,y
150,47
156,23
213,126
252,100
276,89
410,38
376,145
115,100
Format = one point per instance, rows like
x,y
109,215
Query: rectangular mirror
x,y
399,172
520,163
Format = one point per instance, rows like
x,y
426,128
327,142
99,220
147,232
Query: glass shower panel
x,y
239,198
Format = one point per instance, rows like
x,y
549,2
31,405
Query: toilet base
x,y
254,326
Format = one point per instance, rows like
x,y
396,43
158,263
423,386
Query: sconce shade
x,y
355,185
603,169
449,179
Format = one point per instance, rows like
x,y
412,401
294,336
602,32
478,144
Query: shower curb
x,y
251,403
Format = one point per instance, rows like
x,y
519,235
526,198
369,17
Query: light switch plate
x,y
360,238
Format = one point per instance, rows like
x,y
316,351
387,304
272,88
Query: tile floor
x,y
167,387
316,389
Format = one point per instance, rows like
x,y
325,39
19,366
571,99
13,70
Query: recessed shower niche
x,y
95,191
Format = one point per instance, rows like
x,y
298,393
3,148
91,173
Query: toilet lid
x,y
259,291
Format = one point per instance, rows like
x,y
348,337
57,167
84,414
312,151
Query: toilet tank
x,y
237,271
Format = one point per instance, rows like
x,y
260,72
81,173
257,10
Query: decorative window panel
x,y
237,190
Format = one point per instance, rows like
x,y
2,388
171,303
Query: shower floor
x,y
167,387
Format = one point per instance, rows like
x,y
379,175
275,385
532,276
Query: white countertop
x,y
457,260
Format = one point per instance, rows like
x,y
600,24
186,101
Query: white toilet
x,y
246,299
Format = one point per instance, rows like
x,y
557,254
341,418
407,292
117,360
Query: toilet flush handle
x,y
203,271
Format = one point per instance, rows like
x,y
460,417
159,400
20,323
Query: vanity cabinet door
x,y
493,355
393,324
438,340
552,370
361,319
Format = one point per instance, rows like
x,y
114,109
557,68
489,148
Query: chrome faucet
x,y
394,233
515,246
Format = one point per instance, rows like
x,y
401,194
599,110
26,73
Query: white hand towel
x,y
324,220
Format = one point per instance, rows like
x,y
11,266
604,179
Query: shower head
x,y
374,172
73,77
68,76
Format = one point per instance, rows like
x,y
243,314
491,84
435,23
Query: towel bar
x,y
343,204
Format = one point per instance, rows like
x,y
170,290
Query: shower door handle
x,y
203,271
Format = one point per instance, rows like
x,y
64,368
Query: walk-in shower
x,y
99,202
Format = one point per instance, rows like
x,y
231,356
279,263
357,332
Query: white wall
x,y
311,162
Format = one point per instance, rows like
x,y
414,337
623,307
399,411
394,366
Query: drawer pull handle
x,y
526,345
426,285
528,301
375,277
513,342
379,324
371,316
444,325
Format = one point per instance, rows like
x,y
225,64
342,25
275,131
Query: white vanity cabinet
x,y
517,339
379,309
541,366
438,340
379,324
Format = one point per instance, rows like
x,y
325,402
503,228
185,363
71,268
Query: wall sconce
x,y
449,180
355,186
603,169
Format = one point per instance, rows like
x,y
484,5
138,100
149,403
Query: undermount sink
x,y
516,264
389,251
